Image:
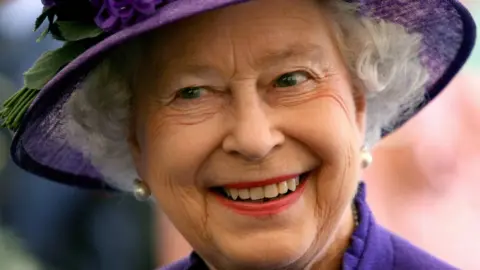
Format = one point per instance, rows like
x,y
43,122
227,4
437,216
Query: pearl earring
x,y
365,157
141,191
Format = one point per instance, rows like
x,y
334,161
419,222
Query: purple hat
x,y
90,28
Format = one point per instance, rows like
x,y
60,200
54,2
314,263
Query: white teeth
x,y
282,187
269,191
257,193
233,193
244,194
291,185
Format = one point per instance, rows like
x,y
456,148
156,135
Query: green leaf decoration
x,y
46,13
43,35
46,67
75,31
50,63
77,37
15,107
51,18
55,32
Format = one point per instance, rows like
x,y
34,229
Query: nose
x,y
253,135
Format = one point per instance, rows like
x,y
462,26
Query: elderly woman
x,y
247,122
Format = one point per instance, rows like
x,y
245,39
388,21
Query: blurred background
x,y
59,226
44,225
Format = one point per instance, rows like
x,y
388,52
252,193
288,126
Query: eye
x,y
191,93
291,79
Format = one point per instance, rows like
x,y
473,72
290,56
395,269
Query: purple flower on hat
x,y
109,15
114,15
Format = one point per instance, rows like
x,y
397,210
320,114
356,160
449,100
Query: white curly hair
x,y
382,57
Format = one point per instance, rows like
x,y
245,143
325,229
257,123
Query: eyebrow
x,y
271,57
297,50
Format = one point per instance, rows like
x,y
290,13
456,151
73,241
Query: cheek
x,y
177,150
325,125
172,154
329,131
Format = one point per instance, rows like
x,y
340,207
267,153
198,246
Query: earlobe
x,y
360,102
133,140
135,150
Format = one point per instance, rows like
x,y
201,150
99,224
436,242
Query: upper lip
x,y
261,183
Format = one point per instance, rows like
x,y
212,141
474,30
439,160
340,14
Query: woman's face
x,y
238,101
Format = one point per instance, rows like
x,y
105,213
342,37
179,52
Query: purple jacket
x,y
372,248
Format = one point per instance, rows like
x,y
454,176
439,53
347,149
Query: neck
x,y
333,258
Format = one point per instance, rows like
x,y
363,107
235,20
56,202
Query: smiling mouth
x,y
262,194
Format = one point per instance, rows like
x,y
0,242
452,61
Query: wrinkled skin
x,y
240,123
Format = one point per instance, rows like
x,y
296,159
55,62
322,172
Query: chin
x,y
289,239
282,248
267,255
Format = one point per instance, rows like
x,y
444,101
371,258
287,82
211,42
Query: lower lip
x,y
263,209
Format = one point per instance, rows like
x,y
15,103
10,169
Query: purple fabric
x,y
372,248
115,15
111,15
40,146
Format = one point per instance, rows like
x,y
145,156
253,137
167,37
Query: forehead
x,y
257,29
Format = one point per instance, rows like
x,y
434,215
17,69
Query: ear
x,y
135,147
360,101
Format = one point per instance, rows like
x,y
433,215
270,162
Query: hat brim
x,y
40,147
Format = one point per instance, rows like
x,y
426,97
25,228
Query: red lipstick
x,y
262,183
257,209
